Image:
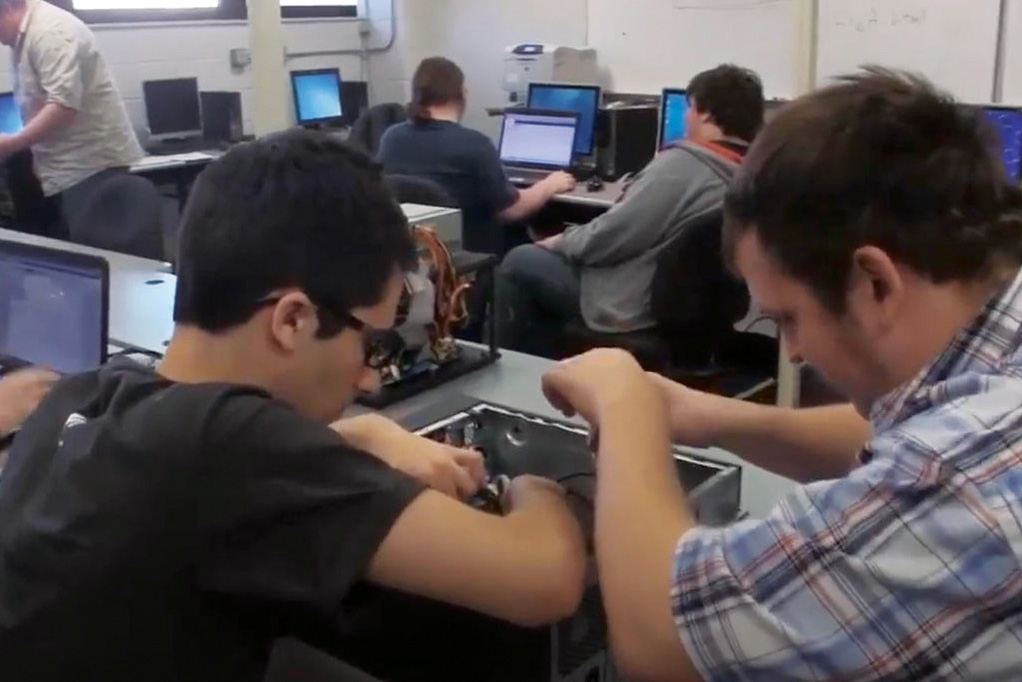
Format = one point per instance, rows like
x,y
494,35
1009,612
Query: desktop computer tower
x,y
222,117
627,140
354,100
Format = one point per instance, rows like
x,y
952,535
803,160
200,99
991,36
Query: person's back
x,y
462,161
170,525
58,61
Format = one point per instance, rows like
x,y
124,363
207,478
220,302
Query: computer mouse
x,y
595,184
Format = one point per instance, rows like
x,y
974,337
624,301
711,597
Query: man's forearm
x,y
51,119
804,445
529,202
641,512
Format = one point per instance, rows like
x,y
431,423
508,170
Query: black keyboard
x,y
179,147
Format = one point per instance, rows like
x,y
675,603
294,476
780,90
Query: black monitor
x,y
173,109
582,99
317,94
54,308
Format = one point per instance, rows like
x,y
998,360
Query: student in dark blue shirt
x,y
433,144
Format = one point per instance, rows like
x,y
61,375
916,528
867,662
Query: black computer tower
x,y
628,140
222,117
354,100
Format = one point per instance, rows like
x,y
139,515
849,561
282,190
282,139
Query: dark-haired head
x,y
437,82
727,100
876,198
288,245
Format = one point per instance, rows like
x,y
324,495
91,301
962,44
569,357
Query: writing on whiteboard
x,y
726,4
879,18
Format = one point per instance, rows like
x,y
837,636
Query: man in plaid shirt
x,y
873,220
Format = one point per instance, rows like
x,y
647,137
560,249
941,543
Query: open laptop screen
x,y
538,139
53,307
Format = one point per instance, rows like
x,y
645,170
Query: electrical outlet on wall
x,y
241,58
365,28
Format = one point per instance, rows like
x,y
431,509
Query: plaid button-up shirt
x,y
906,569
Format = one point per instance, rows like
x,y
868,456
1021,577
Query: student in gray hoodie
x,y
602,272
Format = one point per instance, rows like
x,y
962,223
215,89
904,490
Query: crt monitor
x,y
673,112
1008,122
173,109
317,96
10,114
582,99
54,307
533,138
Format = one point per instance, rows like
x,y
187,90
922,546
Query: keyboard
x,y
179,147
525,178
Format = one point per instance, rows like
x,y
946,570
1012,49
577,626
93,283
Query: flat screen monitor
x,y
1008,121
10,114
173,109
54,307
673,113
317,96
582,99
533,138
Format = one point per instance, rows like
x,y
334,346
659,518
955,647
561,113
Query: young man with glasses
x,y
170,525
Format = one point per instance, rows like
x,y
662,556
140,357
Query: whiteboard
x,y
652,44
953,42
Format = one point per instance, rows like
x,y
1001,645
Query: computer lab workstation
x,y
336,466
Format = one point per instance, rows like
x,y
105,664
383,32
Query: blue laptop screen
x,y
10,115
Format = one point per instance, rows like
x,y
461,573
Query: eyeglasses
x,y
381,347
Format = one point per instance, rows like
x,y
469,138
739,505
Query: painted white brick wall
x,y
137,53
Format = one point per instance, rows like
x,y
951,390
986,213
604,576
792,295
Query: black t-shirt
x,y
465,163
159,531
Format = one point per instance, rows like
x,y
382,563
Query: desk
x,y
119,262
179,170
604,199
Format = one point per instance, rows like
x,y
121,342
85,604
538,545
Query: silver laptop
x,y
537,142
54,308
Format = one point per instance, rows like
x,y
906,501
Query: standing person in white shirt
x,y
76,123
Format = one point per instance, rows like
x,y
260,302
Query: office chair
x,y
695,302
370,126
31,211
411,189
294,661
122,214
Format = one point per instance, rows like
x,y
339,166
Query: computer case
x,y
627,139
222,117
354,100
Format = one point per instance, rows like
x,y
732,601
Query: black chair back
x,y
410,189
370,126
695,300
123,214
294,661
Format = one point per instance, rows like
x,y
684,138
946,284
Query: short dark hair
x,y
295,209
879,159
733,97
436,81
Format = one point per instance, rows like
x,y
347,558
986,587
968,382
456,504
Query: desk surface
x,y
581,196
118,261
170,161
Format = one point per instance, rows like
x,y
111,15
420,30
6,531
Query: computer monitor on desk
x,y
317,95
673,112
173,110
54,308
539,140
581,99
1008,121
10,114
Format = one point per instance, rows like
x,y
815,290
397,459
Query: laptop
x,y
10,114
54,309
537,142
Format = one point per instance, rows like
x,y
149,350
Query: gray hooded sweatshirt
x,y
616,254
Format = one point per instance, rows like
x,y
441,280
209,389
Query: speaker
x,y
354,100
221,117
